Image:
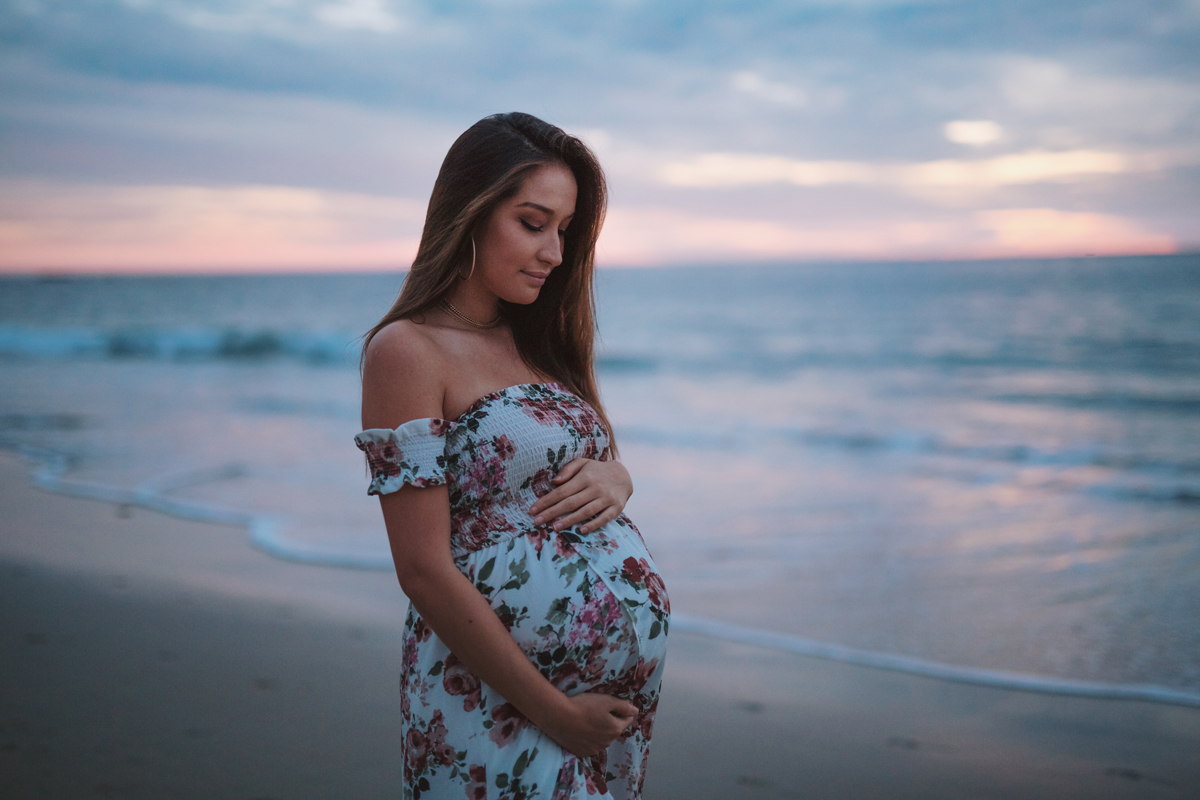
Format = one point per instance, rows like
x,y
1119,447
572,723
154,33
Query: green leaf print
x,y
487,569
520,575
569,571
436,669
655,629
557,614
519,767
502,780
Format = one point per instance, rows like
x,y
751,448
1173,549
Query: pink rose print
x,y
435,740
636,569
504,447
421,631
540,482
595,776
658,592
590,450
477,788
416,750
383,458
459,681
508,722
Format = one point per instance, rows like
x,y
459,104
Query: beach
x,y
990,465
144,655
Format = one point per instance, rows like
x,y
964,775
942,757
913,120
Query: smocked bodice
x,y
496,460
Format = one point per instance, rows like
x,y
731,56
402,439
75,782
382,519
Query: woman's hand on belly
x,y
589,723
418,525
588,491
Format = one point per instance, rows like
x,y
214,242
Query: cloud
x,y
368,15
974,132
1050,232
638,236
88,228
780,93
154,228
1050,92
741,169
726,123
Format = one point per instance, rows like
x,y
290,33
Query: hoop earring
x,y
472,272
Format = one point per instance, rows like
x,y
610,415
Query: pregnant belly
x,y
562,612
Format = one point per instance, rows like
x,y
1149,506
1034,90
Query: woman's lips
x,y
538,278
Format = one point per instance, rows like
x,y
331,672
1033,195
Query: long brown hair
x,y
486,165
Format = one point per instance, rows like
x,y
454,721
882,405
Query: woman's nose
x,y
551,252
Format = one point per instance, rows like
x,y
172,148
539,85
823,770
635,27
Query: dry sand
x,y
143,656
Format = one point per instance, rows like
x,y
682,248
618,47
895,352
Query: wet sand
x,y
143,656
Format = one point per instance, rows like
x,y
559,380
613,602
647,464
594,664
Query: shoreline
x,y
149,656
47,471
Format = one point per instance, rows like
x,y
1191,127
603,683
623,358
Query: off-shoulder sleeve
x,y
414,453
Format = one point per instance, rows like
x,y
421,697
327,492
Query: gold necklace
x,y
446,304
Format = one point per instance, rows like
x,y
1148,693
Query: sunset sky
x,y
178,135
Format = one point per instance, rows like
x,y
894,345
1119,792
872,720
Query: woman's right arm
x,y
418,525
399,384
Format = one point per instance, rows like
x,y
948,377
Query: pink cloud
x,y
83,228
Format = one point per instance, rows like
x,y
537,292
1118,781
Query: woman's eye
x,y
534,228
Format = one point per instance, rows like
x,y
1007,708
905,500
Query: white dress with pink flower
x,y
589,610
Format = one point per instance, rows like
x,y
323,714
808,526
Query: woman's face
x,y
523,239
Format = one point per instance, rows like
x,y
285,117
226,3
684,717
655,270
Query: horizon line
x,y
7,271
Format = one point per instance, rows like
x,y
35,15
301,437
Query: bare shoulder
x,y
402,376
402,343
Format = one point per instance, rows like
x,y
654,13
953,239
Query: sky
x,y
234,135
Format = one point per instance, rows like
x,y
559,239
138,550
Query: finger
x,y
619,707
558,494
620,725
545,501
581,514
565,507
569,470
584,513
629,713
603,518
551,499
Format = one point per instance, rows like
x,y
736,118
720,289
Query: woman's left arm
x,y
585,488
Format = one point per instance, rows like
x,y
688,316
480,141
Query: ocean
x,y
992,465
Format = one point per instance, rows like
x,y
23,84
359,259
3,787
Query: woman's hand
x,y
588,723
586,490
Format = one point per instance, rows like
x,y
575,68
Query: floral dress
x,y
589,610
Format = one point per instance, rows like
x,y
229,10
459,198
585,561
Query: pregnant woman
x,y
535,639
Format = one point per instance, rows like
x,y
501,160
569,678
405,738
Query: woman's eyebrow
x,y
543,209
